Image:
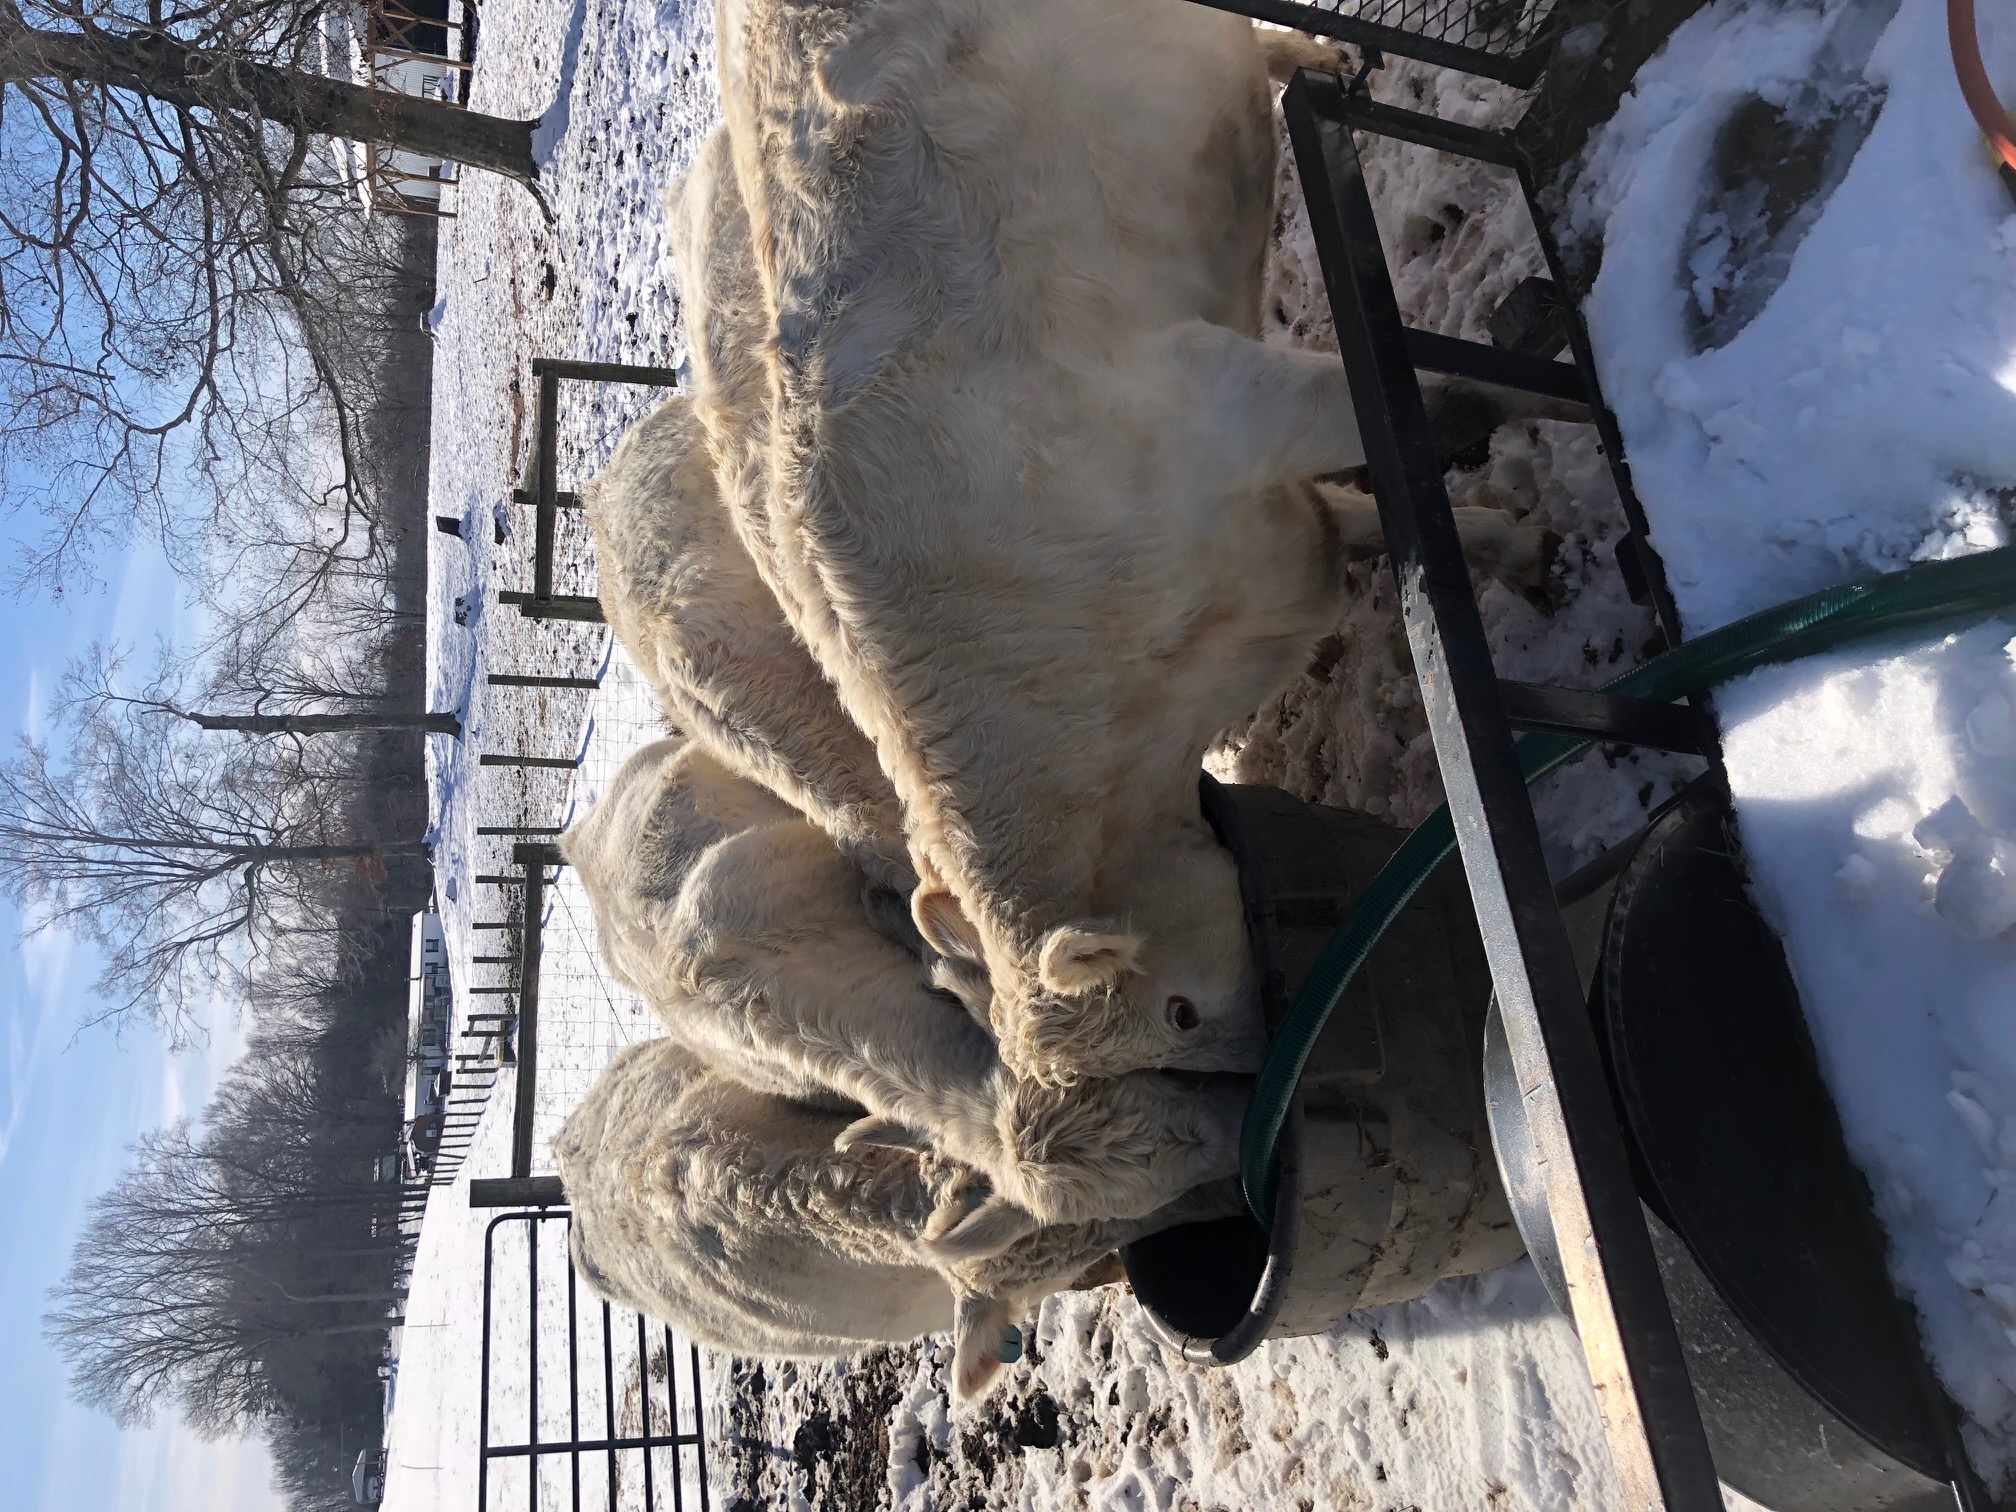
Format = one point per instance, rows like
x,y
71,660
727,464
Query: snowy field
x,y
1861,419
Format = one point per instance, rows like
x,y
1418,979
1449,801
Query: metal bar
x,y
483,1374
532,1359
490,991
672,1419
646,1442
1647,562
528,680
520,829
1482,364
500,759
644,1399
609,1397
546,483
558,606
699,1427
1368,114
536,853
509,960
497,879
528,1024
1642,1391
573,1384
605,372
1601,716
1520,68
495,924
516,1192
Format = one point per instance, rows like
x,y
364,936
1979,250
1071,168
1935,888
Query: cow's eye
x,y
1183,1013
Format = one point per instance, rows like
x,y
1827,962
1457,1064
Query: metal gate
x,y
595,1441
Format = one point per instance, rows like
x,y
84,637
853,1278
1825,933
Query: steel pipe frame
x,y
1653,1425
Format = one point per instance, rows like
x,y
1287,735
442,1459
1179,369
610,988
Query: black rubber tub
x,y
1811,1383
1406,1157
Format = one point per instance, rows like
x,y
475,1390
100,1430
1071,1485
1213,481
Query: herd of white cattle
x,y
984,511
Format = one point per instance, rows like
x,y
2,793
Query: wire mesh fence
x,y
558,711
584,1406
585,1017
1499,39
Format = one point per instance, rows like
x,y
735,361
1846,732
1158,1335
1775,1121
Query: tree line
x,y
199,331
242,1275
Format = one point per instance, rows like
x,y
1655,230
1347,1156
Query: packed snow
x,y
1863,416
1859,419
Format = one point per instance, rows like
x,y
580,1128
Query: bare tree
x,y
181,1290
325,724
178,261
280,696
202,58
181,861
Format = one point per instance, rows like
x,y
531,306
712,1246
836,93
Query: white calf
x,y
728,1213
746,931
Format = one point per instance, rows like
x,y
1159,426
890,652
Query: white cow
x,y
746,931
728,1213
684,599
1034,493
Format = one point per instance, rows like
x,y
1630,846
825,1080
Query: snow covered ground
x,y
1762,482
1863,417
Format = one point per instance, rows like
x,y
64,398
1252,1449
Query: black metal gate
x,y
591,1454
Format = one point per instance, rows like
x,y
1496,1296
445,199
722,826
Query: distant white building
x,y
430,1012
414,47
367,1478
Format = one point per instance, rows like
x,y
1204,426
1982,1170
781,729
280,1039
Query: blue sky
x,y
70,1104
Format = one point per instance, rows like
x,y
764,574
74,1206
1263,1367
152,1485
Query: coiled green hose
x,y
1925,594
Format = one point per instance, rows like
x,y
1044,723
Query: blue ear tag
x,y
1010,1349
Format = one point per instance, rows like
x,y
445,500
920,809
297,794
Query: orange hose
x,y
1974,86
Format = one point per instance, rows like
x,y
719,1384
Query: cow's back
x,y
713,1208
687,604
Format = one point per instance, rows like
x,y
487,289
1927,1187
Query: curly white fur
x,y
686,603
1034,494
745,930
728,1212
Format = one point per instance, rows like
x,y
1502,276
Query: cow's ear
x,y
944,924
983,1340
1083,957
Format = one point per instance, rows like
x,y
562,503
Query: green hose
x,y
1928,593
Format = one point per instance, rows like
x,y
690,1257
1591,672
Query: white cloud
x,y
189,1077
169,1469
146,599
35,710
37,1025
